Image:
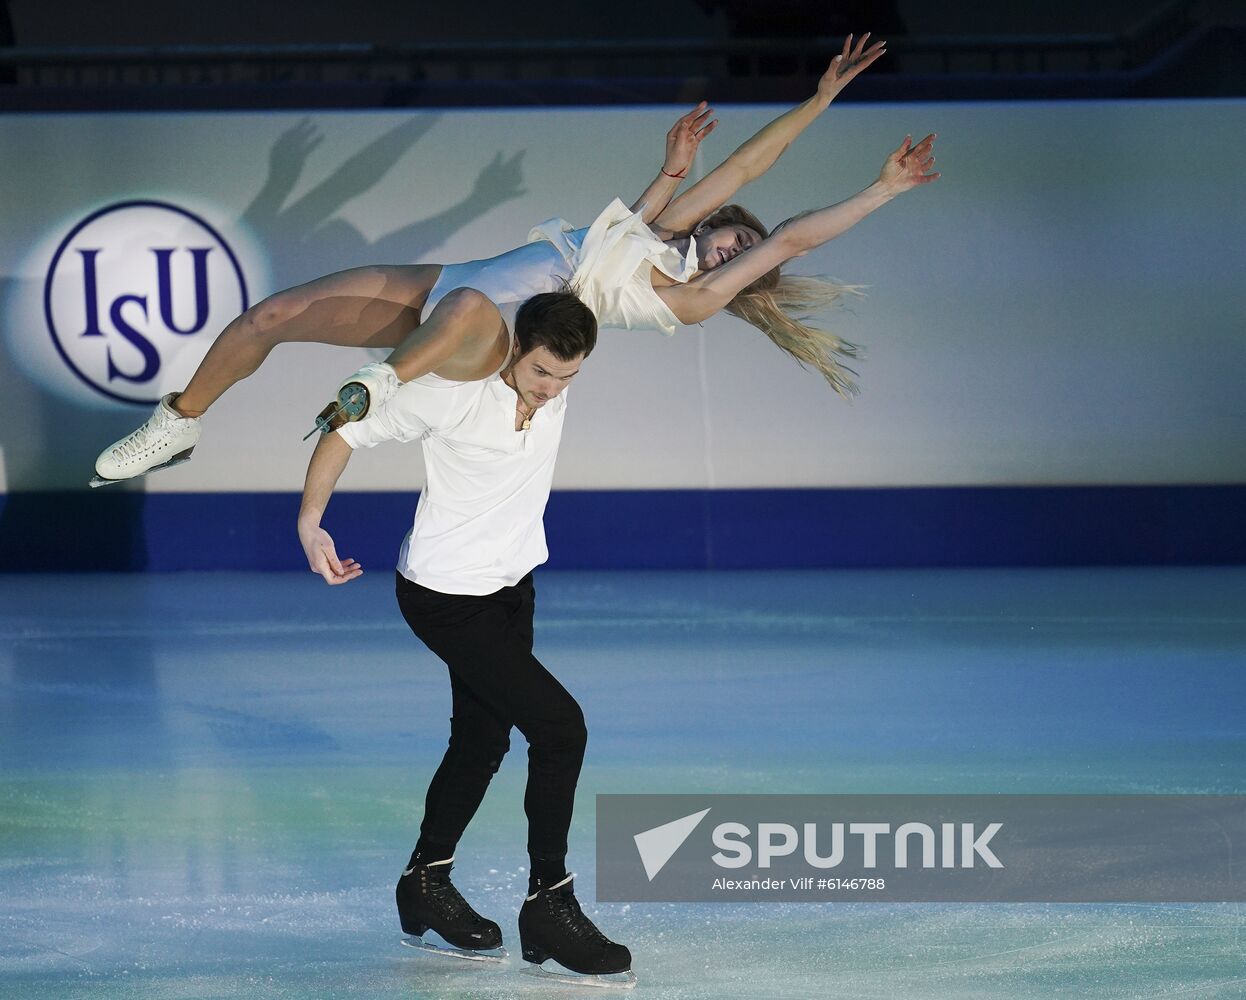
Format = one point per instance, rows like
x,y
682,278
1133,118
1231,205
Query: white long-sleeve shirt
x,y
478,526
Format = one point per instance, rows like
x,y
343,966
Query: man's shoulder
x,y
436,393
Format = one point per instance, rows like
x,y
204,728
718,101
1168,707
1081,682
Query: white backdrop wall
x,y
1065,306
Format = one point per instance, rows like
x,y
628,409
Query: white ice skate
x,y
358,396
165,440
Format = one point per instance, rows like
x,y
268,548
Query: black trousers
x,y
496,683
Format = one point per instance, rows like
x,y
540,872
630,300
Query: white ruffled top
x,y
611,265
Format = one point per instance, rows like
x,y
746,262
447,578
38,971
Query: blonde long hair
x,y
779,304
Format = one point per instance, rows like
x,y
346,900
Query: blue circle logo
x,y
136,293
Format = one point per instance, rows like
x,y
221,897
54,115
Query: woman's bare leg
x,y
376,306
463,338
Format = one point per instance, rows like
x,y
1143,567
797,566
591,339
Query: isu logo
x,y
135,294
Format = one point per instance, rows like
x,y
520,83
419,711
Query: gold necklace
x,y
527,418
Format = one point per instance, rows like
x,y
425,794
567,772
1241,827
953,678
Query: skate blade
x,y
351,406
183,456
324,422
494,956
609,981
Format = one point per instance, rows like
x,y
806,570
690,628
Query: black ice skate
x,y
551,925
428,900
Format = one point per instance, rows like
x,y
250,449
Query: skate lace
x,y
449,900
567,912
134,444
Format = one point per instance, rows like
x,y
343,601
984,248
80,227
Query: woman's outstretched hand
x,y
685,137
845,66
909,165
322,556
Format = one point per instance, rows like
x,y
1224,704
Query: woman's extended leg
x,y
364,307
463,338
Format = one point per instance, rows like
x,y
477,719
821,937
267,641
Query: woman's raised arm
x,y
759,153
681,146
905,168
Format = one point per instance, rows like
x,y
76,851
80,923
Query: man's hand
x,y
909,165
845,66
322,556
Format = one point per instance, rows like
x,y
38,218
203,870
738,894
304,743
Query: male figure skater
x,y
465,587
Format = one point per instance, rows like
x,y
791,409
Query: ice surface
x,y
210,783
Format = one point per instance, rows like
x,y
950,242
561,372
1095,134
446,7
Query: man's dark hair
x,y
559,322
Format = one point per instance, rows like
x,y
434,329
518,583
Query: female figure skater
x,y
654,266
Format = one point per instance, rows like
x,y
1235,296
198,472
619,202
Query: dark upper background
x,y
162,22
399,52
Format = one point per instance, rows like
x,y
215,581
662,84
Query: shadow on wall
x,y
50,520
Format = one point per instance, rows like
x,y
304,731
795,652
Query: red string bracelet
x,y
677,176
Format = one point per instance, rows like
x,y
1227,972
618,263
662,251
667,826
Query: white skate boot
x,y
167,439
358,396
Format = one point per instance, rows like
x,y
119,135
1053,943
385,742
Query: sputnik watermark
x,y
1050,848
780,840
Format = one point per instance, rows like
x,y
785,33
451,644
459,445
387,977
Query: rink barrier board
x,y
655,529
